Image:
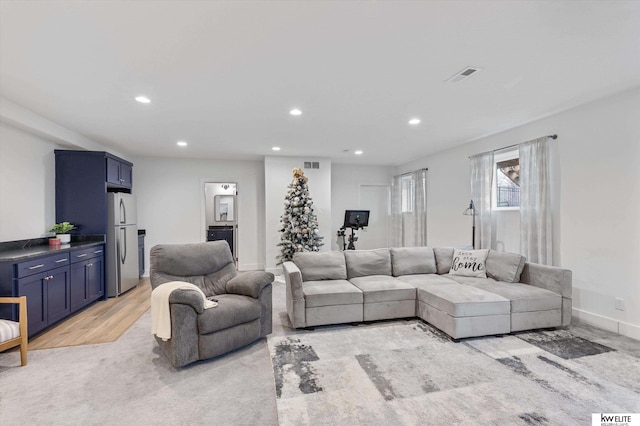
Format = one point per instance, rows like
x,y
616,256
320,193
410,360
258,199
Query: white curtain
x,y
481,187
536,231
409,227
396,229
418,215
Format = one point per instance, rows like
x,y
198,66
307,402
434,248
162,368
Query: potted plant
x,y
61,230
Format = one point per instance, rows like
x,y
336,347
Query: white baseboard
x,y
609,324
251,267
630,330
275,271
597,320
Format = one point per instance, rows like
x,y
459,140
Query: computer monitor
x,y
356,218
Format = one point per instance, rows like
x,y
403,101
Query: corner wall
x,y
170,194
277,177
599,228
27,170
27,185
347,183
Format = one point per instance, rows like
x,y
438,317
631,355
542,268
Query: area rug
x,y
407,372
129,382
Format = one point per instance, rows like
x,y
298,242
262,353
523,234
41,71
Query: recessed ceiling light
x,y
275,148
414,121
358,152
295,111
143,99
181,143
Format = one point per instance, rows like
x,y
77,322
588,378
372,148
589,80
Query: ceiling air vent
x,y
465,73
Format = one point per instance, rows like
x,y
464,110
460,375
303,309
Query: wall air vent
x,y
311,165
464,74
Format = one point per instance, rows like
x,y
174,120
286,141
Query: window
x,y
506,194
406,194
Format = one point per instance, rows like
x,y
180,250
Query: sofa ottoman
x,y
463,311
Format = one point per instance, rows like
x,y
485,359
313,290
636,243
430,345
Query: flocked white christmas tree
x,y
299,225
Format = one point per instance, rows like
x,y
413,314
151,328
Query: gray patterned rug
x,y
406,372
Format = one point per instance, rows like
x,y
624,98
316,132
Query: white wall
x,y
599,226
170,195
27,184
27,170
277,177
346,183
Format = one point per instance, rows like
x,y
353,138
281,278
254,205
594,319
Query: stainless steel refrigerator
x,y
122,243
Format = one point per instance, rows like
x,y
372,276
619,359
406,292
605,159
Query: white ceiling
x,y
223,75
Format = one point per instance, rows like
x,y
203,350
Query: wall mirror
x,y
220,203
224,208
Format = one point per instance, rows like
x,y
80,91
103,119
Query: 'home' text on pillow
x,y
469,263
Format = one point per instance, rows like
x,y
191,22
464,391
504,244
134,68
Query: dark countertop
x,y
17,251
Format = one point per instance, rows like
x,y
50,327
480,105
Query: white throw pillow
x,y
469,263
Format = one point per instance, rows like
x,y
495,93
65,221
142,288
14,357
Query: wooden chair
x,y
14,334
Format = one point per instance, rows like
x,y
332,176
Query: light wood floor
x,y
104,321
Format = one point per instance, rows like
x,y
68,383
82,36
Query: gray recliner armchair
x,y
242,316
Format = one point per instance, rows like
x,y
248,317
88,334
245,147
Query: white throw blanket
x,y
160,312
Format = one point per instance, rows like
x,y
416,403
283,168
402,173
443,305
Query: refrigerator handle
x,y
123,212
123,245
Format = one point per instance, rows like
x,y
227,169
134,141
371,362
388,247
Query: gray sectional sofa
x,y
366,285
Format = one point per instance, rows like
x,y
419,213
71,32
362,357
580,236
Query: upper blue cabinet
x,y
119,173
83,179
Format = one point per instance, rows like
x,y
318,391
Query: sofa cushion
x,y
232,309
502,266
330,292
444,259
326,265
469,263
459,300
418,279
362,263
523,297
383,288
412,260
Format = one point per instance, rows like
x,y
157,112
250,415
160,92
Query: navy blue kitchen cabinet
x,y
57,291
34,288
56,281
47,294
87,276
119,172
141,235
216,233
83,179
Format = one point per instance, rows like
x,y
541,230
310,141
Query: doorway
x,y
221,214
